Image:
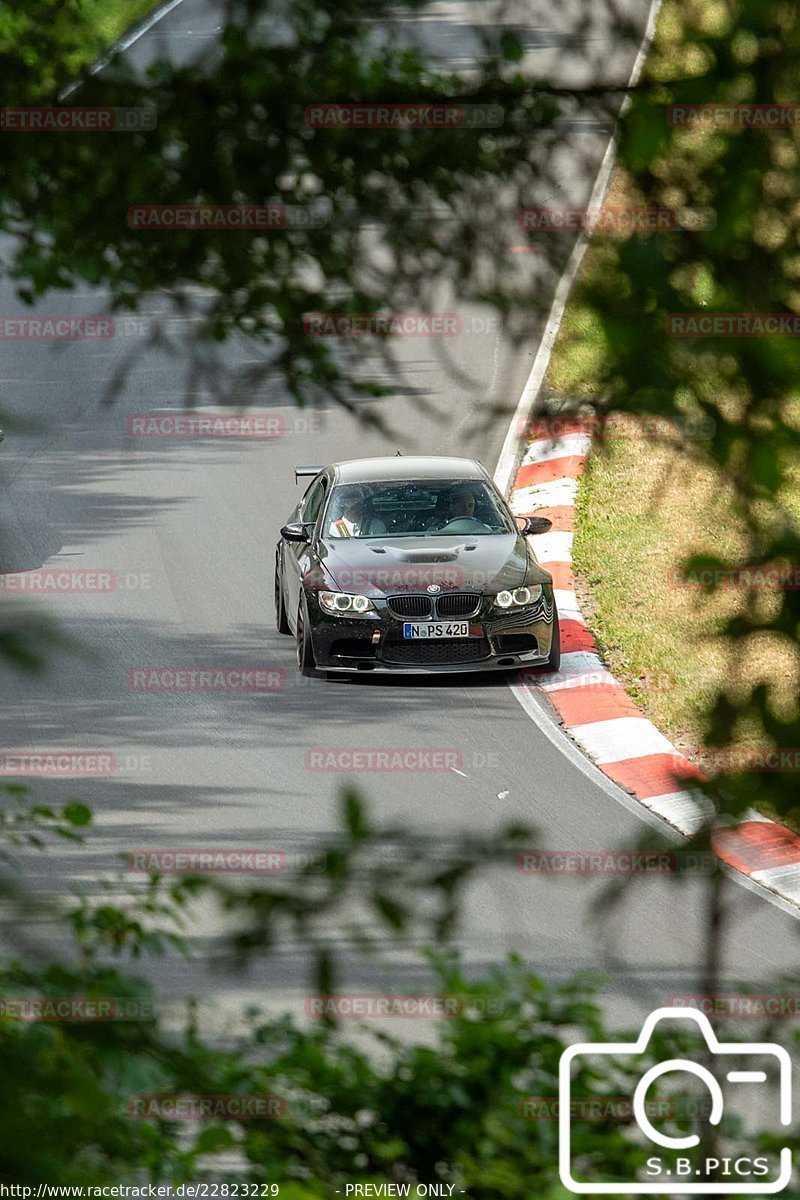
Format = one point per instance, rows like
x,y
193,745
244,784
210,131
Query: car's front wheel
x,y
305,651
554,661
281,624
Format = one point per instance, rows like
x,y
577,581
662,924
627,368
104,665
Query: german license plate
x,y
436,629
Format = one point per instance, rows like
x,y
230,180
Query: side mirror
x,y
295,533
534,524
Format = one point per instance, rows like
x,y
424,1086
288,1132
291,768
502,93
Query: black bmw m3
x,y
412,565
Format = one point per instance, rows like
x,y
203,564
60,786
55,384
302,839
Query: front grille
x,y
431,651
458,604
410,606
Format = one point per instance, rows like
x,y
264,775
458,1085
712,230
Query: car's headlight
x,y
339,604
519,598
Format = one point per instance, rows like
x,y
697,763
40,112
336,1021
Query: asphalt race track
x,y
188,528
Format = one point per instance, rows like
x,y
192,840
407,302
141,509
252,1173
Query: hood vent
x,y
429,558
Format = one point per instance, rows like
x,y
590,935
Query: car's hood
x,y
381,566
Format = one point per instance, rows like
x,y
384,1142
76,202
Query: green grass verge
x,y
111,18
643,506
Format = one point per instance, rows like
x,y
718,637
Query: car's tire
x,y
554,660
281,624
305,651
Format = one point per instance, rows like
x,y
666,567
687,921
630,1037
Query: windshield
x,y
423,508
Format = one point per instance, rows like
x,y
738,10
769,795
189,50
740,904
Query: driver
x,y
458,514
460,503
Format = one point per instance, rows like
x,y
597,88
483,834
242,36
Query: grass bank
x,y
645,503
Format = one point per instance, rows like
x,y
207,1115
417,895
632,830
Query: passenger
x,y
349,523
352,521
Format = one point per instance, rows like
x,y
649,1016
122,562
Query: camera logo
x,y
676,1170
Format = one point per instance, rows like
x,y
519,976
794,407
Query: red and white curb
x,y
593,706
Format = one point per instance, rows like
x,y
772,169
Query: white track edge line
x,y
124,43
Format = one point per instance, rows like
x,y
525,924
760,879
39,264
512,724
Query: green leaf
x,y
77,814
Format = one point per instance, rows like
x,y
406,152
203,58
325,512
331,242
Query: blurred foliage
x,y
469,1101
398,212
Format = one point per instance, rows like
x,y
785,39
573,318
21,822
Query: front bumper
x,y
374,643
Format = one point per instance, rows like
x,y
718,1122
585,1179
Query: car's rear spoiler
x,y
306,472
